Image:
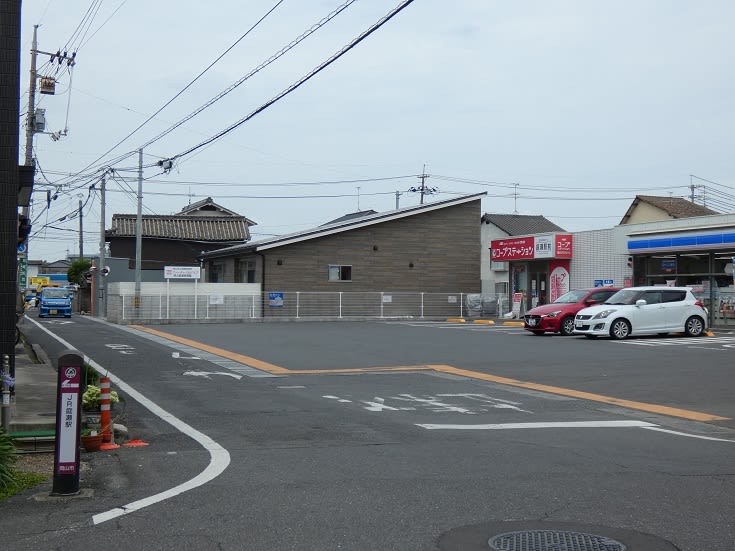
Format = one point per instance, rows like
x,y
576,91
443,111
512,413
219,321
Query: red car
x,y
558,317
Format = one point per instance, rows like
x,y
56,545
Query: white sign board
x,y
181,272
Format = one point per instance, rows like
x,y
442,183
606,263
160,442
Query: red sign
x,y
558,279
517,248
563,245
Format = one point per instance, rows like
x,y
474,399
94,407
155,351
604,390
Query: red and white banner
x,y
556,245
558,279
514,248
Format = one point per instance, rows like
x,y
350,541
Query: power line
x,y
298,83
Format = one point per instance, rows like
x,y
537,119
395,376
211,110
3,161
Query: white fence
x,y
167,307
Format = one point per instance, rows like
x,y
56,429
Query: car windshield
x,y
571,297
624,296
55,293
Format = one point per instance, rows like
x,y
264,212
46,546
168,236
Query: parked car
x,y
558,316
54,301
644,311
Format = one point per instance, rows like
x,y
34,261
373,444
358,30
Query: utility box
x,y
47,85
39,120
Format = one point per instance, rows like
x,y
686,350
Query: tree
x,y
77,269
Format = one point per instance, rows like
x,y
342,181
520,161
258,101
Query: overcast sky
x,y
581,104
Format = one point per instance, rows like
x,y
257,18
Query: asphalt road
x,y
406,436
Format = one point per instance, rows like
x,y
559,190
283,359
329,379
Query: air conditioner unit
x,y
499,266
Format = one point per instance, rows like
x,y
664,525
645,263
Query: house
x,y
178,239
424,248
495,275
650,208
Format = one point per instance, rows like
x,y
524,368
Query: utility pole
x,y
139,233
81,232
102,302
31,115
423,184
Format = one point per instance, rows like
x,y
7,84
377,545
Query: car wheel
x,y
538,333
566,327
620,329
694,327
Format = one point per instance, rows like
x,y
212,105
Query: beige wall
x,y
645,212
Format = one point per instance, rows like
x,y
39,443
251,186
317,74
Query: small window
x,y
601,296
652,297
340,273
673,296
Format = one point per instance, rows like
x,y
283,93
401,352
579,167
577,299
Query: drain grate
x,y
552,540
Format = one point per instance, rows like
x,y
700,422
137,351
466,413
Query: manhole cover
x,y
553,540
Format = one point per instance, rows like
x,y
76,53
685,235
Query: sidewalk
x,y
34,411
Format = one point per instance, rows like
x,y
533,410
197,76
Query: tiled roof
x,y
676,207
521,224
185,228
206,206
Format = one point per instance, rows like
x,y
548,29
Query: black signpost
x,y
68,414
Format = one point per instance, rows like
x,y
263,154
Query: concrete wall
x,y
597,255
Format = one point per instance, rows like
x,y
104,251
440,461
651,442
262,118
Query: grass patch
x,y
22,480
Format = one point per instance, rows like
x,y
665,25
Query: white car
x,y
644,311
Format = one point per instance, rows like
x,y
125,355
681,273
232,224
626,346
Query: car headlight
x,y
603,314
553,314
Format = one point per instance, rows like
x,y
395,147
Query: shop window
x,y
693,264
339,272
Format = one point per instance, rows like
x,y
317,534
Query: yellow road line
x,y
278,370
252,362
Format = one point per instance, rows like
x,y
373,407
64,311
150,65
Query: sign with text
x,y
275,299
555,245
514,248
563,245
558,279
182,272
68,413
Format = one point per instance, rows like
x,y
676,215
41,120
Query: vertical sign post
x,y
68,413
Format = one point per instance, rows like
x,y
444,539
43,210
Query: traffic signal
x,y
105,271
24,229
630,262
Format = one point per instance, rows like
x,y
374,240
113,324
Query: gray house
x,y
429,248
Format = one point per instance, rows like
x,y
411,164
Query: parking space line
x,y
448,369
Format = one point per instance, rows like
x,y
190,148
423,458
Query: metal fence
x,y
299,305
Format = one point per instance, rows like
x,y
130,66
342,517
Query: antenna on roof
x,y
358,198
515,198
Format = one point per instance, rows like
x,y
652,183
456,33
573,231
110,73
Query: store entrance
x,y
537,288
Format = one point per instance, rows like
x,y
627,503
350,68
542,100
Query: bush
x,y
8,456
91,398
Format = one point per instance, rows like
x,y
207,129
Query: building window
x,y
216,272
340,273
244,271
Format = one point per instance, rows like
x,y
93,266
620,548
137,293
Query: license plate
x,y
578,323
53,311
532,322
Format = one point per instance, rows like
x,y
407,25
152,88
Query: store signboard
x,y
554,245
563,245
513,248
543,246
558,279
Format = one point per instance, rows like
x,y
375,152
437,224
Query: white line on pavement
x,y
565,424
219,457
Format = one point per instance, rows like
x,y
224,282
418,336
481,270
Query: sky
x,y
566,109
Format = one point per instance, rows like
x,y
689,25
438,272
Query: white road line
x,y
565,424
699,436
219,457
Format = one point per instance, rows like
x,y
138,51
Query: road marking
x,y
699,436
219,456
206,374
476,375
557,425
178,356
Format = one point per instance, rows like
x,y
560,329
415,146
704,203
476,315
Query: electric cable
x,y
298,83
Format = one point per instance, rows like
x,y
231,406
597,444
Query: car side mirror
x,y
640,302
591,301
